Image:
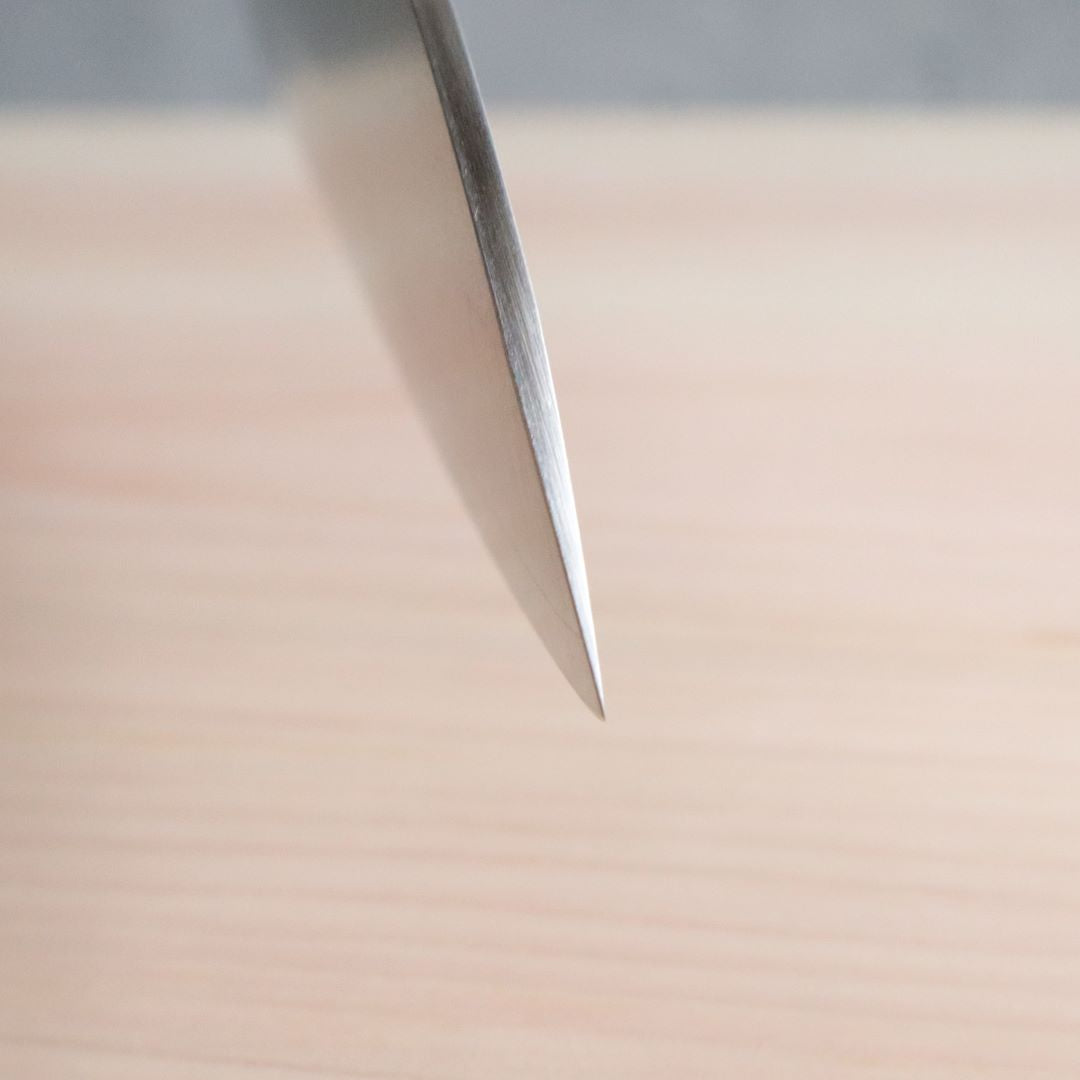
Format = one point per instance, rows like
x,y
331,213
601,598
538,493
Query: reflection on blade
x,y
391,113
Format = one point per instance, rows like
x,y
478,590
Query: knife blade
x,y
390,111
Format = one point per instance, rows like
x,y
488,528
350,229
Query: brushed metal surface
x,y
391,112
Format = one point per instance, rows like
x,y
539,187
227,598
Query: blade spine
x,y
437,56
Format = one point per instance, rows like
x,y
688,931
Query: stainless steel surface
x,y
394,120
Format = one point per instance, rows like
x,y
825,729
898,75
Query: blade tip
x,y
593,693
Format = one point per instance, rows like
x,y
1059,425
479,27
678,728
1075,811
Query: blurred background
x,y
1012,52
289,788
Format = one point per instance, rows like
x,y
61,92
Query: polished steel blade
x,y
391,112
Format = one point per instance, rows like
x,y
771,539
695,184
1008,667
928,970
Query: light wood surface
x,y
287,787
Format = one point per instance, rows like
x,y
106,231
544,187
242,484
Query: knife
x,y
389,109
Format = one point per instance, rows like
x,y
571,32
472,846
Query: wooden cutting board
x,y
289,790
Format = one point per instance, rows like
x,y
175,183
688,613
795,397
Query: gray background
x,y
185,52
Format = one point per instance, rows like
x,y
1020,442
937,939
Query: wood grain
x,y
287,788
